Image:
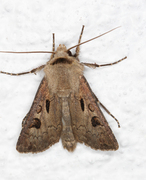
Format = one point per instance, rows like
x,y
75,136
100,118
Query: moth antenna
x,y
53,47
79,41
92,39
27,52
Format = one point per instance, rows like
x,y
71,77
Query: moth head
x,y
62,51
62,56
61,47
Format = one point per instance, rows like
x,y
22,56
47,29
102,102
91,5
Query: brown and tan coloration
x,y
65,107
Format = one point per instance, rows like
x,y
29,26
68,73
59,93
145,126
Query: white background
x,y
28,25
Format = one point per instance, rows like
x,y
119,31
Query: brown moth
x,y
65,107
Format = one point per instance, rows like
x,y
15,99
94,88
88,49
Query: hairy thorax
x,y
63,77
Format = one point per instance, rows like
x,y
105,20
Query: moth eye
x,y
36,123
39,109
95,121
47,105
69,53
82,104
91,107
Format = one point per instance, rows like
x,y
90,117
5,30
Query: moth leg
x,y
97,65
108,112
78,47
53,48
18,74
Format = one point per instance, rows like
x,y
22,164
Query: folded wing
x,y
88,122
42,126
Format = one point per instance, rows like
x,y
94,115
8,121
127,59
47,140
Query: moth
x,y
64,106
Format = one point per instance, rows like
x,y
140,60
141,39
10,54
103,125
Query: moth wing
x,y
42,126
88,122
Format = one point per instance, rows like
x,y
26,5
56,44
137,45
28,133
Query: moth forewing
x,y
65,107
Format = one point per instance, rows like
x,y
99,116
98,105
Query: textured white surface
x,y
28,25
